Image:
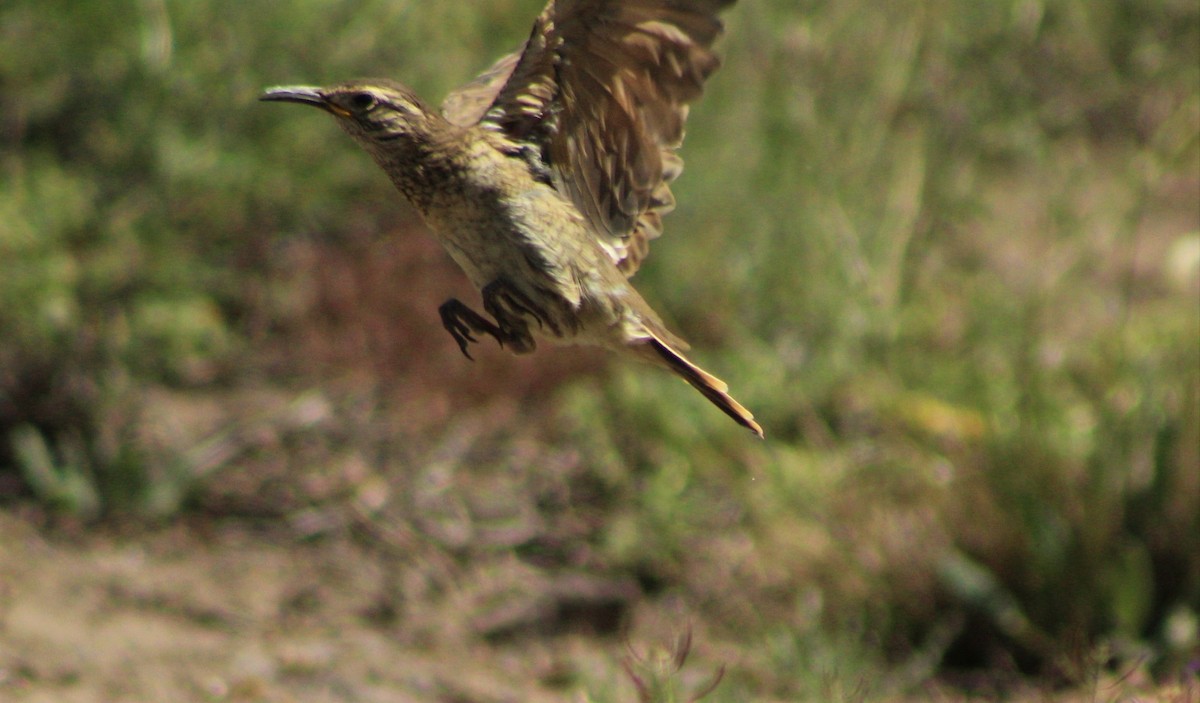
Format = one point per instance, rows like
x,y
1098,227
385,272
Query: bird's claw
x,y
506,302
463,323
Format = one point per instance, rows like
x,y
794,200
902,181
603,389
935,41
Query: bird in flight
x,y
547,176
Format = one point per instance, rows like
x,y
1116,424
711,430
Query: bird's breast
x,y
496,219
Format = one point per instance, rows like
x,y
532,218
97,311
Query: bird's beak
x,y
304,95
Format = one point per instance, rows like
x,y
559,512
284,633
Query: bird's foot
x,y
512,309
463,324
506,302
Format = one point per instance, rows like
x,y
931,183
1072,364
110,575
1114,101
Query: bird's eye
x,y
362,101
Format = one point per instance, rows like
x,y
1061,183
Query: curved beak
x,y
305,95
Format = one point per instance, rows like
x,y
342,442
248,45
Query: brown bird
x,y
547,176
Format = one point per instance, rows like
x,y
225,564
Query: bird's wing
x,y
466,105
601,92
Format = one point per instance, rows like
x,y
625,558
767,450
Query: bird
x,y
546,177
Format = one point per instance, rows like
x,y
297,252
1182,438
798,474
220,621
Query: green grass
x,y
940,248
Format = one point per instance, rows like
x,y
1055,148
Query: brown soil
x,y
227,611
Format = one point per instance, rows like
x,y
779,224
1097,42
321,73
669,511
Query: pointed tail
x,y
710,386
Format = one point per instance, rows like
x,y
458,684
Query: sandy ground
x,y
229,612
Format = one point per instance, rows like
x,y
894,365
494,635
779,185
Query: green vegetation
x,y
947,251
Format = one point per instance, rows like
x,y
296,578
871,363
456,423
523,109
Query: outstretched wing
x,y
466,105
601,91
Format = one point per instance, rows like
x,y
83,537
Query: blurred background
x,y
947,251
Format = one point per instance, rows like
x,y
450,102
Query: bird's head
x,y
374,112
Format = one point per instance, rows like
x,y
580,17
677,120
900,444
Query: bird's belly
x,y
526,235
539,243
477,243
479,267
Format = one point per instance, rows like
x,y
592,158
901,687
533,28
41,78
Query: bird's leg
x,y
509,306
461,321
512,308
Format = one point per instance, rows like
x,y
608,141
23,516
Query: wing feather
x,y
600,91
467,105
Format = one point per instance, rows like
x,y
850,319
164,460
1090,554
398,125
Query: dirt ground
x,y
231,612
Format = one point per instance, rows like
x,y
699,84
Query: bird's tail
x,y
711,387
